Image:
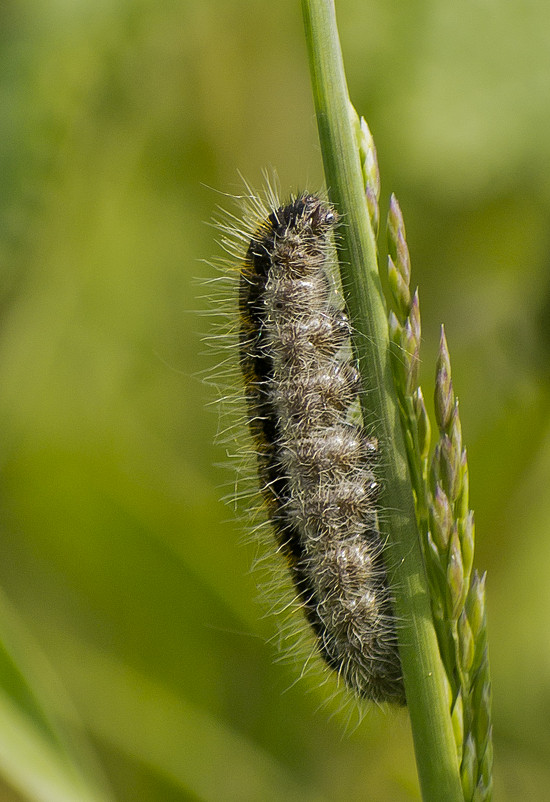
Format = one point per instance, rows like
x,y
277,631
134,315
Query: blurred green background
x,y
135,661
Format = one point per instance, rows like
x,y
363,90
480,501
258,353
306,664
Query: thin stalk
x,y
425,683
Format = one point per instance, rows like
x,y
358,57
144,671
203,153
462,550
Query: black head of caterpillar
x,y
316,465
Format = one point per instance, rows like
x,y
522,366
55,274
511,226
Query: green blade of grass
x,y
425,684
44,752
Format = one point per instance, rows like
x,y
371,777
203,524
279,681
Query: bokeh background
x,y
135,661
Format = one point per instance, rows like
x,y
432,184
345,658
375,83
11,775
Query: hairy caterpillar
x,y
316,463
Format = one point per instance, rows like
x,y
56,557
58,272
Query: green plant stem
x,y
425,684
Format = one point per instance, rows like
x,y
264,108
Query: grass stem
x,y
425,683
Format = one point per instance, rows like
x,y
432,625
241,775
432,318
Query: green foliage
x,y
348,174
446,524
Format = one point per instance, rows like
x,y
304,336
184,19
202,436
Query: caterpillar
x,y
316,463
